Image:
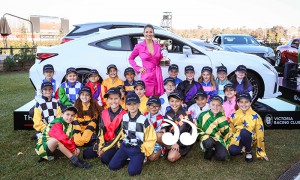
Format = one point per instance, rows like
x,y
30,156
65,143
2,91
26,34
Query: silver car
x,y
246,44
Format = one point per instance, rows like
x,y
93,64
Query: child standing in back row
x,y
173,71
129,83
222,80
240,81
69,90
113,80
96,87
189,87
207,80
48,72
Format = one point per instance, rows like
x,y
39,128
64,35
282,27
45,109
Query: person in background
x,y
150,53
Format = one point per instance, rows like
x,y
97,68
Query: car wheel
x,y
83,75
278,59
256,84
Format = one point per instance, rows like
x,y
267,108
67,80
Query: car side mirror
x,y
187,50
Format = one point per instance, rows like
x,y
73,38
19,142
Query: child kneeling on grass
x,y
214,131
139,141
177,113
58,136
247,129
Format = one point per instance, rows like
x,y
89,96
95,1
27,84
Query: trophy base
x,y
165,62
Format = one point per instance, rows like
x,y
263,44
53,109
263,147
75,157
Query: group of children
x,y
118,123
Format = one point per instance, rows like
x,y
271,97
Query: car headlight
x,y
270,53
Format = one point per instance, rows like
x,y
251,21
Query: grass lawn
x,y
282,147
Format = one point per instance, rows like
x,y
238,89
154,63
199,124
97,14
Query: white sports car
x,y
98,50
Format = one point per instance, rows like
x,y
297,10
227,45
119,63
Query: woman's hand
x,y
142,70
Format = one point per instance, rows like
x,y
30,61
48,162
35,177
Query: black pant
x,y
220,152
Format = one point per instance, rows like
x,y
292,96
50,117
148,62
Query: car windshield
x,y
241,40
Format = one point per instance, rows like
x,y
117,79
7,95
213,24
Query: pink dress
x,y
153,76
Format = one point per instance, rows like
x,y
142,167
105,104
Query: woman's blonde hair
x,y
212,80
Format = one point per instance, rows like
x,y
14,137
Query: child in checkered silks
x,y
110,129
86,119
46,109
177,113
69,90
139,140
246,130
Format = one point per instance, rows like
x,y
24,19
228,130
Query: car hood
x,y
246,48
232,59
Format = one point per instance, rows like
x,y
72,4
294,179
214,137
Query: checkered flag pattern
x,y
48,110
72,91
134,129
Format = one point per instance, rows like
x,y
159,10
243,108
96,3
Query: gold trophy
x,y
165,46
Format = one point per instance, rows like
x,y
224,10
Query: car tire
x,y
83,75
256,84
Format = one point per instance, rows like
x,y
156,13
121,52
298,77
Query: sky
x,y
186,14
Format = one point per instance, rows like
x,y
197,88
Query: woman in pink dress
x,y
150,53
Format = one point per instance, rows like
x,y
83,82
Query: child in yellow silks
x,y
247,129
